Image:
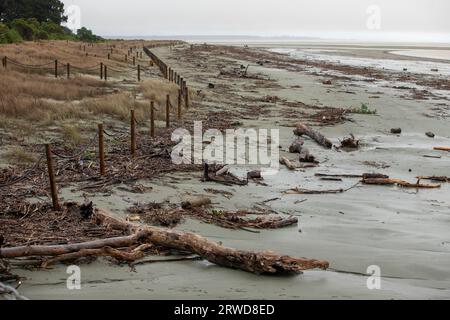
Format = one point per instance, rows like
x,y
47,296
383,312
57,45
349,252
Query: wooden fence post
x,y
68,70
109,56
168,111
105,73
133,133
186,97
179,104
101,70
51,176
152,119
101,150
126,58
139,72
56,68
134,60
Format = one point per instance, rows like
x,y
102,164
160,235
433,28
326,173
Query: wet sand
x,y
403,231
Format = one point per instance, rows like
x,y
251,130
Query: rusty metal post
x,y
133,134
101,149
152,119
51,175
168,111
179,104
56,68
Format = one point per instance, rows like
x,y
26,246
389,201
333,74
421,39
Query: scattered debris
x,y
396,130
350,143
297,146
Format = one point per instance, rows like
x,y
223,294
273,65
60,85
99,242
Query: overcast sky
x,y
398,19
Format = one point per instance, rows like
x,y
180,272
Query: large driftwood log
x,y
302,130
399,182
255,262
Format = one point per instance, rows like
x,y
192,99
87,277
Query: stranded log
x,y
402,183
287,163
255,262
315,135
195,202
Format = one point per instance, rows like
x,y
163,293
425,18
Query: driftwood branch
x,y
302,130
399,182
255,262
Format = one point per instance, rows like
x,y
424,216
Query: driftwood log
x,y
399,182
442,148
297,146
143,236
287,163
195,202
435,178
304,130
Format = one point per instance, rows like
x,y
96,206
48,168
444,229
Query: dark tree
x,y
41,10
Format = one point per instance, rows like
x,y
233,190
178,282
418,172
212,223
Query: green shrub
x,y
364,109
9,35
28,29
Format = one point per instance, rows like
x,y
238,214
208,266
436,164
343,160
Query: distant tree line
x,y
31,20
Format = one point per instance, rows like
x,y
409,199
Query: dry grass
x,y
71,134
38,100
157,90
37,86
18,155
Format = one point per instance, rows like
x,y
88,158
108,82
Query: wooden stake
x,y
68,70
167,111
51,176
101,70
105,74
101,150
186,98
179,104
56,68
133,134
139,72
152,119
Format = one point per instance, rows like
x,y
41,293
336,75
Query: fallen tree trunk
x,y
255,262
302,129
402,183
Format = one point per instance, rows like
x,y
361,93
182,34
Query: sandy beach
x,y
403,231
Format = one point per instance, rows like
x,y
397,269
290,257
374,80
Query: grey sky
x,y
406,19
